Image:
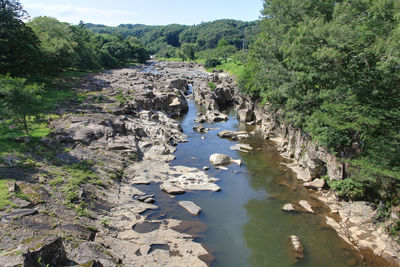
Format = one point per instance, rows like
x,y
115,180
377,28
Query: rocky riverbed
x,y
125,131
86,200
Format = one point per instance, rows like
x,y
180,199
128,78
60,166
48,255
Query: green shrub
x,y
211,63
350,188
211,85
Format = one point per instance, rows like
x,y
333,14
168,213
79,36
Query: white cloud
x,y
74,14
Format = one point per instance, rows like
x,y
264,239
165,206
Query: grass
x,y
233,67
74,74
53,96
38,126
177,59
4,195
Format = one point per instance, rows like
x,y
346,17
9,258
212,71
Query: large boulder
x,y
245,115
220,159
180,84
316,184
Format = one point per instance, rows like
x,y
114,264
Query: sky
x,y
149,12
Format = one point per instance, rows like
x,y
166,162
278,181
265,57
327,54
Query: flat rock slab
x,y
171,189
242,148
306,206
17,214
191,207
21,203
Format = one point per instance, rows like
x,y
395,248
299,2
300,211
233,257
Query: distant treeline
x,y
217,39
46,46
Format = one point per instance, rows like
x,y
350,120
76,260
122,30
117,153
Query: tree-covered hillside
x,y
165,40
332,67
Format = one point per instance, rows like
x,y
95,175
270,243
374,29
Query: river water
x,y
243,224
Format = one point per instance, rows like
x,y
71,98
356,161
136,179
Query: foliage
x,y
331,67
211,85
180,41
350,188
19,46
18,99
211,63
4,194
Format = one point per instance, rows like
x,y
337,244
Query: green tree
x,y
56,43
19,47
19,100
188,51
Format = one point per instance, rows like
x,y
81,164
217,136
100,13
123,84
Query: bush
x,y
212,86
212,62
350,188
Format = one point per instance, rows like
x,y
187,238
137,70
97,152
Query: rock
x,y
144,198
12,186
288,207
171,189
242,136
6,216
242,147
50,251
201,119
149,200
245,115
180,84
21,203
296,247
190,207
216,116
219,159
315,184
196,181
175,102
221,168
226,134
200,129
206,168
306,206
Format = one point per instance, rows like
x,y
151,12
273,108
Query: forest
x,y
209,41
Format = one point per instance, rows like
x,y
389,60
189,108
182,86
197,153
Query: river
x,y
243,224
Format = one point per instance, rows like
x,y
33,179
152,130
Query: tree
x,y
187,51
19,47
56,43
18,99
